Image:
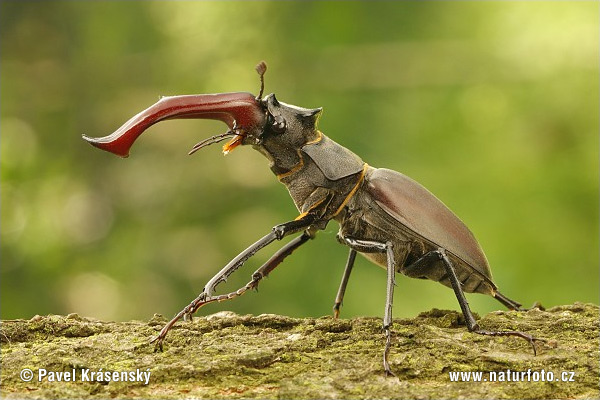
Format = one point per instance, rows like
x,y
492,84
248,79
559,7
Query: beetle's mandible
x,y
384,215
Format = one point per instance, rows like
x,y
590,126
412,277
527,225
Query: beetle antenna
x,y
261,68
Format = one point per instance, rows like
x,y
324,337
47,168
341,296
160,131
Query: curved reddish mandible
x,y
240,108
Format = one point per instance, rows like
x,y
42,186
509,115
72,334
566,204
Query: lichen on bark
x,y
226,355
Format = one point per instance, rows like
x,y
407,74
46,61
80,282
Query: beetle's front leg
x,y
277,233
275,260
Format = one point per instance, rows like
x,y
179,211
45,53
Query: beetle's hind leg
x,y
472,325
513,305
510,304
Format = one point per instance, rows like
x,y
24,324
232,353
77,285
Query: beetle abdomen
x,y
471,280
421,213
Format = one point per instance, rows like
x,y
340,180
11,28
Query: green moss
x,y
269,356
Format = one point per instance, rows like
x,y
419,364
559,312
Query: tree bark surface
x,y
226,355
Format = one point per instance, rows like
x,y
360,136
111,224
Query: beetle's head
x,y
251,120
287,125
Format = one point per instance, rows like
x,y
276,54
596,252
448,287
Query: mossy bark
x,y
269,356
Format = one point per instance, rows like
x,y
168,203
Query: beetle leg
x,y
277,233
266,268
464,305
340,294
277,258
387,318
364,246
370,246
511,304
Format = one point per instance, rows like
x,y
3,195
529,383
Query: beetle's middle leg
x,y
370,246
472,325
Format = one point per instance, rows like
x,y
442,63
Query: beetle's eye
x,y
277,123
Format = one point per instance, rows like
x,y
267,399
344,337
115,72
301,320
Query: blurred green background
x,y
493,106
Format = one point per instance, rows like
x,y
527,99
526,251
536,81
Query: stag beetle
x,y
384,215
